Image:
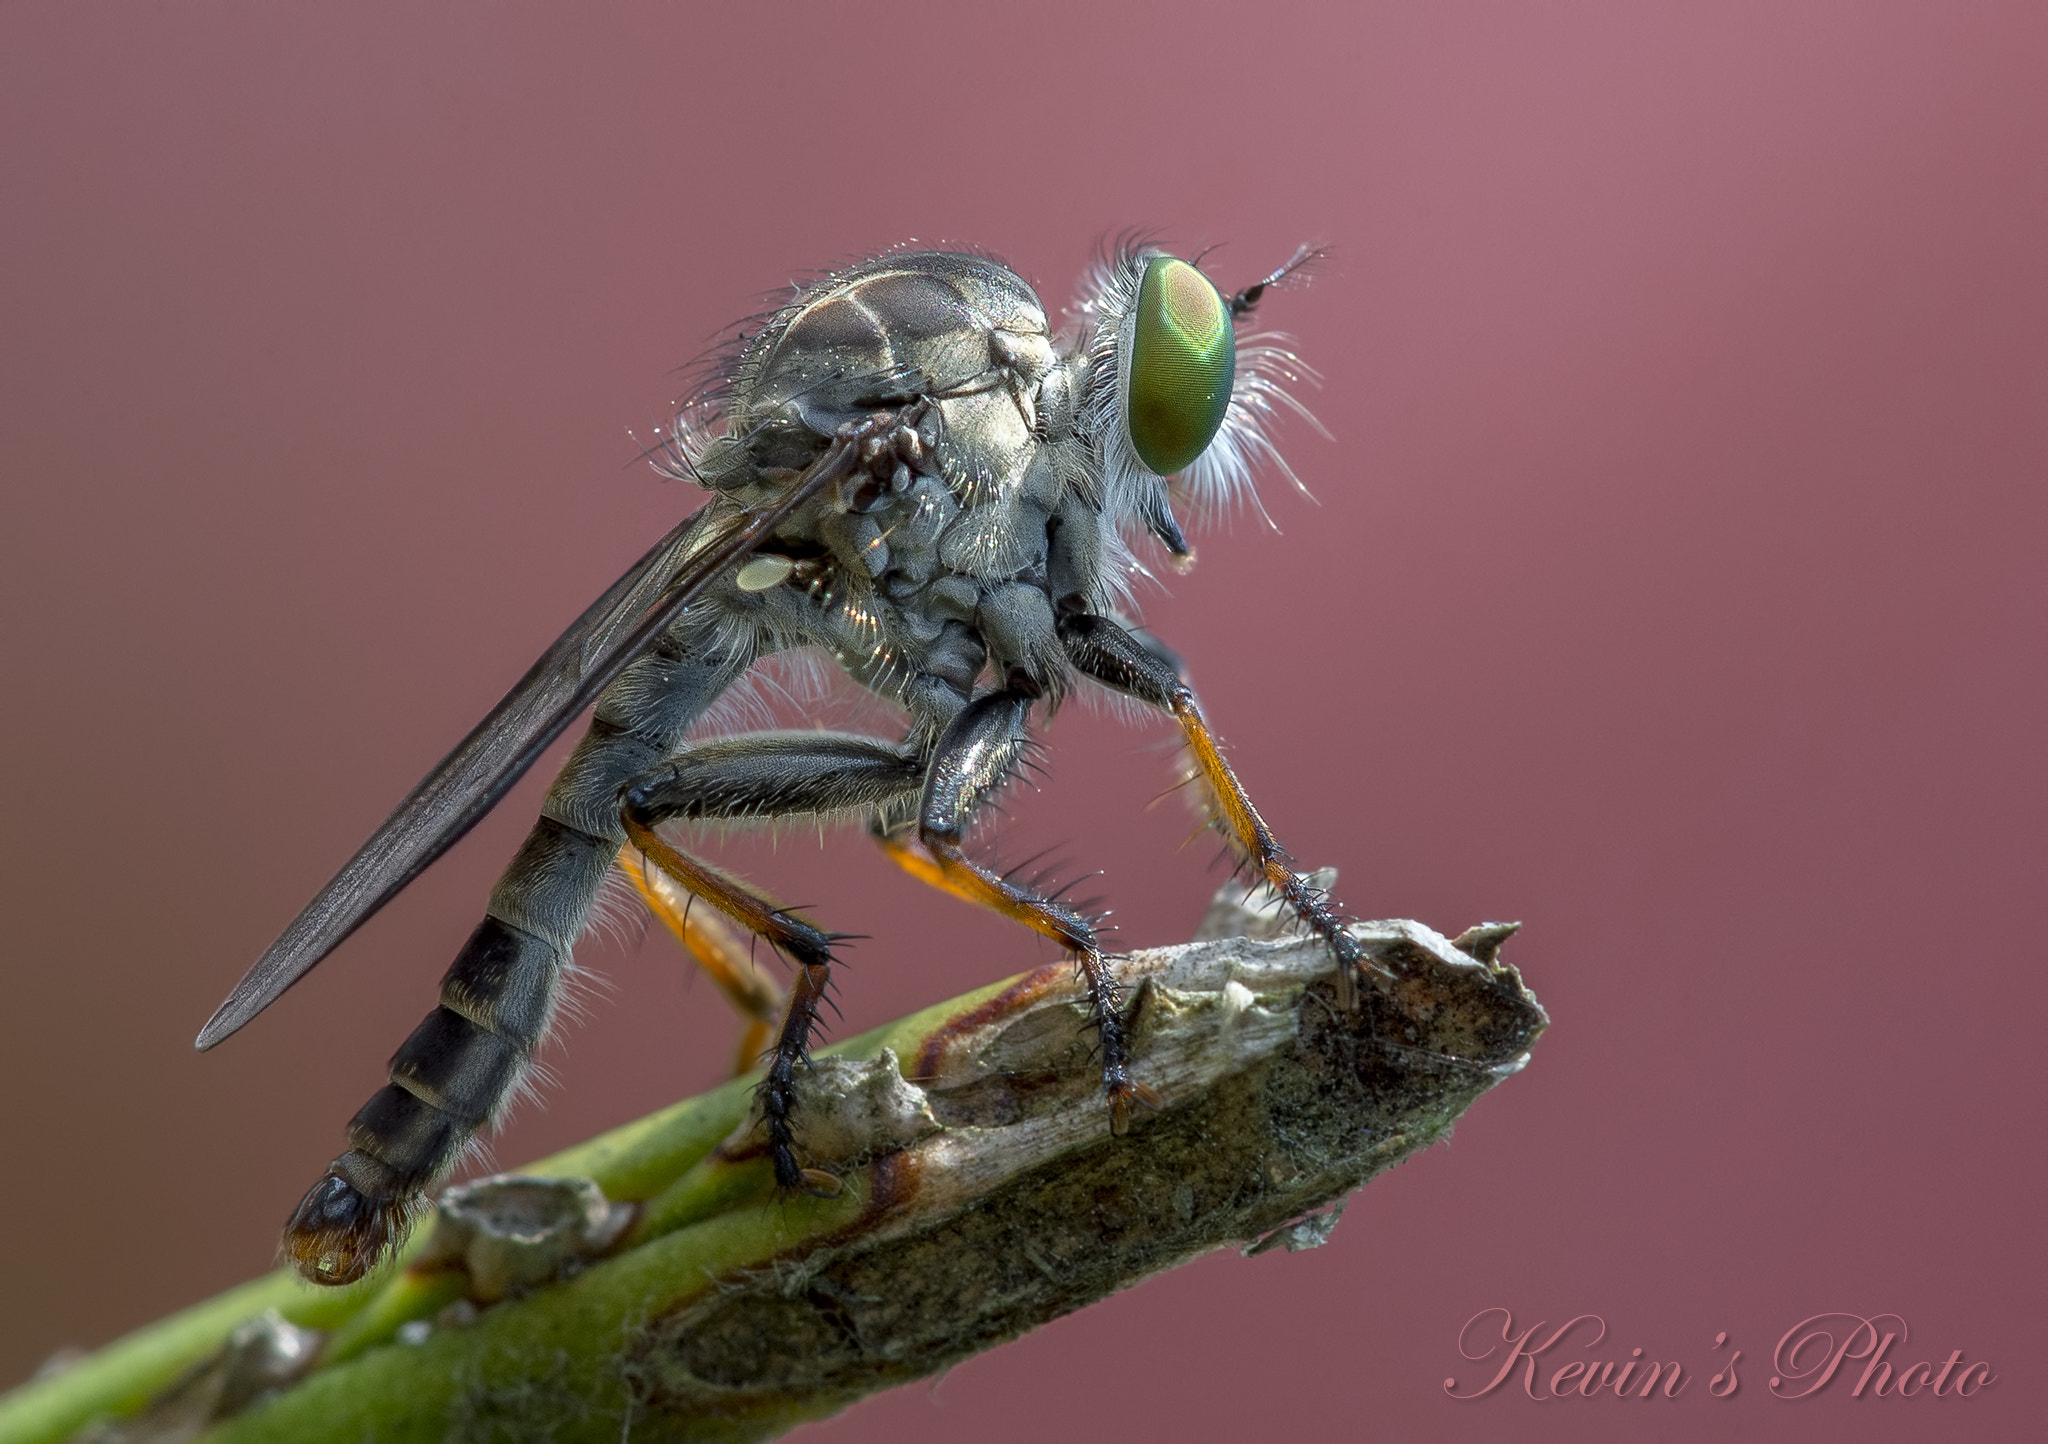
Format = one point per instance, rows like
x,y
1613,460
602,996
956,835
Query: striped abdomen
x,y
462,1066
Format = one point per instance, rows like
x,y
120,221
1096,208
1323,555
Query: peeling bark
x,y
982,1195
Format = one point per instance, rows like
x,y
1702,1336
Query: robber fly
x,y
913,474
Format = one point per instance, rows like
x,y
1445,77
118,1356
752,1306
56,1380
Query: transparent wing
x,y
469,781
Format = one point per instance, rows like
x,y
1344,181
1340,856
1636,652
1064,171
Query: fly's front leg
x,y
1103,650
972,760
769,775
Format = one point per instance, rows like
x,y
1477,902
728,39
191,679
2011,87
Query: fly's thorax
x,y
883,333
965,341
938,560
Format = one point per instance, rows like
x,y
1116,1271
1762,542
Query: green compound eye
x,y
1183,359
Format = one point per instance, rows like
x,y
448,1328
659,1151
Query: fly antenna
x,y
1244,301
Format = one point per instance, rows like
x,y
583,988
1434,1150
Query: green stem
x,y
982,1194
636,1161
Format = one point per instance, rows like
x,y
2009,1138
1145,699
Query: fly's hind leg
x,y
1105,651
783,774
972,760
717,948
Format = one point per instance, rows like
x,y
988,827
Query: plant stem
x,y
982,1195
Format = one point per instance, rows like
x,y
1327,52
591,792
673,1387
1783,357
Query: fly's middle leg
x,y
974,757
770,775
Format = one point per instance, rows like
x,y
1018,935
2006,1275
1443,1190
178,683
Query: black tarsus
x,y
771,775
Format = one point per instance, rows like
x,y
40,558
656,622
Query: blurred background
x,y
1672,583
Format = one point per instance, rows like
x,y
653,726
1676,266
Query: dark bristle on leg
x,y
1312,906
1106,1016
778,1088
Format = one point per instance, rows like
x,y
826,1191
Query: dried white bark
x,y
1004,1202
983,1196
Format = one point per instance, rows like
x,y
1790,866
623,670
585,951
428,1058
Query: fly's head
x,y
1179,396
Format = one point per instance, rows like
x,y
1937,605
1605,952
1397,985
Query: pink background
x,y
1675,586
